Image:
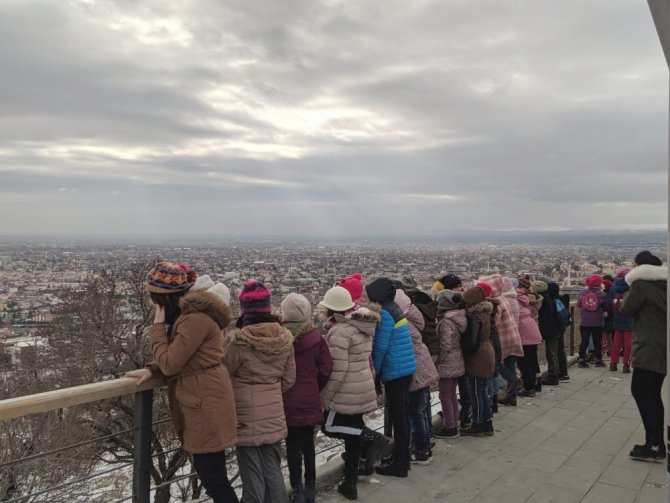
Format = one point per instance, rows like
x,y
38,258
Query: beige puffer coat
x,y
351,388
202,404
262,365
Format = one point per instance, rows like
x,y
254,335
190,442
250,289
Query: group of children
x,y
274,378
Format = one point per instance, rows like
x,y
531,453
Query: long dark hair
x,y
255,318
170,301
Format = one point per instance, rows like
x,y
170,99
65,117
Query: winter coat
x,y
261,362
534,305
313,366
351,387
511,296
508,330
482,363
593,318
621,322
528,329
450,363
426,373
427,306
646,302
548,321
392,349
200,392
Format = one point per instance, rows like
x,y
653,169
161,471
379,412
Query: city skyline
x,y
330,119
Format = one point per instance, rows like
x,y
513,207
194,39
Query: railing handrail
x,y
12,408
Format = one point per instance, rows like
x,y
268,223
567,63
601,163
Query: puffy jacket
x,y
313,366
351,387
482,363
392,349
620,321
528,329
261,362
450,363
646,302
548,321
201,398
593,318
426,373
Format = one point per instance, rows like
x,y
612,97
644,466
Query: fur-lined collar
x,y
647,273
201,301
298,328
482,307
268,338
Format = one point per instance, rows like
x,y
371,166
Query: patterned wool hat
x,y
167,277
448,300
353,284
524,283
539,286
255,298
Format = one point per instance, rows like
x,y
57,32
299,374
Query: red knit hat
x,y
255,298
354,285
487,289
594,281
167,277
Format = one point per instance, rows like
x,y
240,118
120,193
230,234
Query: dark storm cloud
x,y
330,118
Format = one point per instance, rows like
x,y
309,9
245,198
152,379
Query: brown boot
x,y
626,368
613,367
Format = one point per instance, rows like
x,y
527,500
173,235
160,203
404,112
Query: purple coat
x,y
593,318
313,365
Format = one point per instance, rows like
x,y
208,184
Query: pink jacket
x,y
528,329
450,362
508,331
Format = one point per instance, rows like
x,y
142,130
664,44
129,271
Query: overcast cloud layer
x,y
330,118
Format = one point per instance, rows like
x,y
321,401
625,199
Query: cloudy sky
x,y
330,118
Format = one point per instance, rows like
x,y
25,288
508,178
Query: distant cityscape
x,y
35,274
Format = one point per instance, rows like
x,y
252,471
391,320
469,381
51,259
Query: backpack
x,y
472,336
616,302
428,309
562,314
590,302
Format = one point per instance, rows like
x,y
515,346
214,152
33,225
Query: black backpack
x,y
472,336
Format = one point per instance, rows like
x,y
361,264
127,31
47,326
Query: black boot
x,y
538,384
348,489
348,486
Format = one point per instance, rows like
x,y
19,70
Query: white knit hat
x,y
222,292
296,307
337,299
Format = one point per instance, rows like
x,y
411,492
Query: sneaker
x,y
420,458
550,381
600,363
487,428
566,377
648,453
583,364
348,490
476,430
443,432
527,393
626,368
613,367
392,470
510,402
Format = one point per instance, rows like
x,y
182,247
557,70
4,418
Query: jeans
x,y
449,402
621,339
645,387
587,333
260,471
396,394
417,418
528,366
551,348
481,408
507,369
562,357
299,446
211,468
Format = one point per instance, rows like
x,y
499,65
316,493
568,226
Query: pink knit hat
x,y
594,281
622,271
255,298
354,285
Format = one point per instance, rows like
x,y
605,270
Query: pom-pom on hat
x,y
451,281
486,288
255,298
296,307
168,277
448,300
354,285
594,281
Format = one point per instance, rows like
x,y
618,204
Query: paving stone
x,y
604,493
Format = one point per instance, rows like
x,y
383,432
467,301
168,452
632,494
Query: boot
x,y
348,486
538,384
310,491
348,489
613,367
297,495
465,418
626,368
378,448
488,428
476,430
392,470
550,381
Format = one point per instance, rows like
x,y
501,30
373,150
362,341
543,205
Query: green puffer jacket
x,y
646,302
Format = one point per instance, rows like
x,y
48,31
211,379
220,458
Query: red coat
x,y
313,366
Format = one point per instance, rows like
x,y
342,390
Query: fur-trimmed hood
x,y
305,335
264,338
482,307
647,273
202,301
365,318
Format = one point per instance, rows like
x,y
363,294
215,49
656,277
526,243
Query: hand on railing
x,y
142,375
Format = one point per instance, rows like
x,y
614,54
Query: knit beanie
x,y
296,307
353,284
486,288
381,291
451,281
594,281
407,281
255,298
167,277
473,296
524,283
538,286
448,300
622,271
204,282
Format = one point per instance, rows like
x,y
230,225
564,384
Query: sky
x,y
330,118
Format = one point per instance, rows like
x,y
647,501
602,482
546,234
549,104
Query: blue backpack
x,y
562,314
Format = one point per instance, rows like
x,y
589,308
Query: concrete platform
x,y
568,444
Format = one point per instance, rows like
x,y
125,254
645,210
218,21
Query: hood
x,y
620,286
402,300
522,298
264,338
482,307
415,317
305,336
495,281
647,273
553,289
365,318
201,301
510,294
458,318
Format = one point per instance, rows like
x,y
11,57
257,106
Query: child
x,y
622,323
591,303
302,402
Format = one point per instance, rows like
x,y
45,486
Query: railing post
x,y
572,330
142,446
